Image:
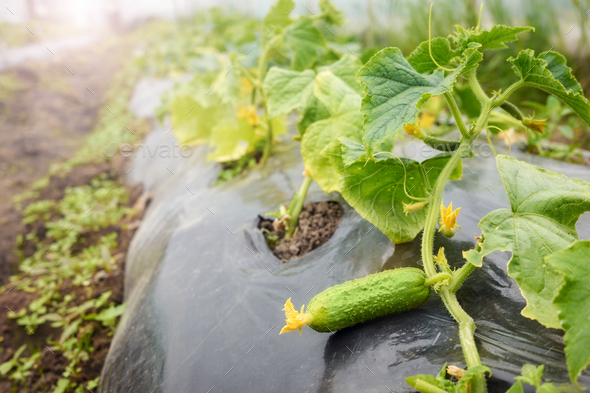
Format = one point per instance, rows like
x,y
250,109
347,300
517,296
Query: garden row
x,y
351,111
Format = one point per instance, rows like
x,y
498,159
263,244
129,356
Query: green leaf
x,y
550,73
516,388
470,58
346,69
441,377
531,374
7,366
442,52
231,139
468,102
437,163
19,352
342,153
429,384
573,304
227,83
464,385
375,187
315,111
62,386
286,90
278,15
331,14
305,40
109,314
557,65
395,93
563,388
69,330
192,122
489,39
345,119
279,125
545,206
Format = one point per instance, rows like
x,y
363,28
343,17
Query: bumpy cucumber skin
x,y
366,298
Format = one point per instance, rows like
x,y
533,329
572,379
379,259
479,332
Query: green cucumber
x,y
363,299
512,110
441,144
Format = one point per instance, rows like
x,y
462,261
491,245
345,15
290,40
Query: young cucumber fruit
x,y
361,300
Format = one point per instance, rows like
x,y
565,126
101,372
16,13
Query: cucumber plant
x,y
403,197
327,100
227,107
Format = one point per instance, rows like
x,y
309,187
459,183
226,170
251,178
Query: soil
x,y
53,362
317,223
45,114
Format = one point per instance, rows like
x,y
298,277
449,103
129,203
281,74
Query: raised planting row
x,y
350,116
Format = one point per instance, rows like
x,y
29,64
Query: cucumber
x,y
512,110
361,300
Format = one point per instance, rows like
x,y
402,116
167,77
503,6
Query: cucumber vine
x,y
403,197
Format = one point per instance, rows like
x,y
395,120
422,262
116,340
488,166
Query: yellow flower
x,y
441,258
414,130
535,125
249,114
449,220
245,86
427,119
412,207
295,320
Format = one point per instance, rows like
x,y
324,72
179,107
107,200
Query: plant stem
x,y
296,206
436,278
466,324
476,87
269,135
434,203
504,96
456,113
460,276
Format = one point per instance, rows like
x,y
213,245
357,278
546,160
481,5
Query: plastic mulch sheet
x,y
205,294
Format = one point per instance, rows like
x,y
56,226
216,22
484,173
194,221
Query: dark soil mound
x,y
317,223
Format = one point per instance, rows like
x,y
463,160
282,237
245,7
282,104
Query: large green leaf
x,y
286,90
542,219
304,39
331,14
315,111
192,122
227,82
442,52
343,105
550,73
489,39
278,15
346,69
231,139
375,187
573,304
395,93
